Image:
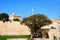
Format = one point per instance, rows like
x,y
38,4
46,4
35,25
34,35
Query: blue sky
x,y
50,8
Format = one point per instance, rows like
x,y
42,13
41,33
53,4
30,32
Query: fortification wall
x,y
13,28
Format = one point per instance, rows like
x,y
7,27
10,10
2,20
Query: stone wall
x,y
28,39
18,39
52,33
40,39
14,28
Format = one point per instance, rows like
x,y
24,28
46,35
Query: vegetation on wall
x,y
16,19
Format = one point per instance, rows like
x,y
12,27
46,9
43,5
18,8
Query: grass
x,y
4,37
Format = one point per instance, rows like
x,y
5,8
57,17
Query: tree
x,y
35,22
4,16
16,19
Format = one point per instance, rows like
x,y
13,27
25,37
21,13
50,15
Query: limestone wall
x,y
27,39
14,28
18,39
41,39
52,33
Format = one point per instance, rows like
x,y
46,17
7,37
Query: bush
x,y
16,19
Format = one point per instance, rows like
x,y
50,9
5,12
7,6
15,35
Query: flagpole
x,y
32,11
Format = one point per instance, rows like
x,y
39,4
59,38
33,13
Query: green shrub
x,y
16,19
